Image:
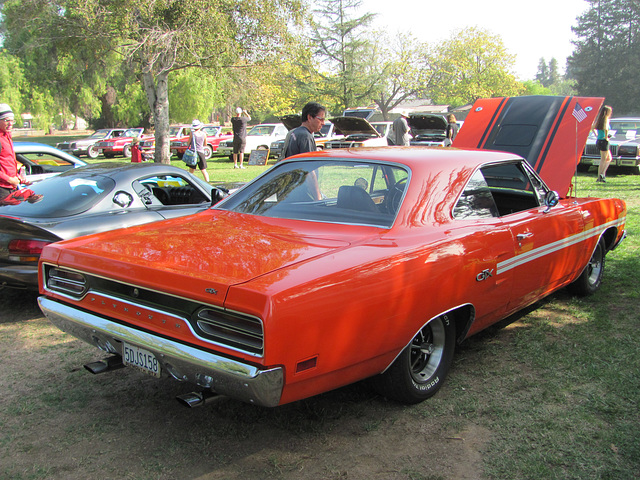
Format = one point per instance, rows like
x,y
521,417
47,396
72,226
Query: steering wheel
x,y
394,195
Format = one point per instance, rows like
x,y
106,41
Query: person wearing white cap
x,y
11,175
198,138
401,129
239,126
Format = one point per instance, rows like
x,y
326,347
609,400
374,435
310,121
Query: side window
x,y
476,200
513,187
47,160
168,190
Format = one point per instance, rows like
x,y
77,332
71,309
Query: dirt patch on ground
x,y
60,422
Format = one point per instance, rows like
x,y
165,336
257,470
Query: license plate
x,y
141,359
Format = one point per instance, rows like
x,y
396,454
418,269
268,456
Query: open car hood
x,y
420,123
354,125
291,121
549,132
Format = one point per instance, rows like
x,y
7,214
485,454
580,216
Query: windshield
x,y
100,134
363,193
174,131
627,128
60,196
381,128
261,130
212,131
324,131
134,132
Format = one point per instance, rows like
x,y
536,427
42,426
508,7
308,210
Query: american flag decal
x,y
579,113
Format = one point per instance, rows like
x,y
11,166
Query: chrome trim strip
x,y
539,252
128,303
64,294
222,375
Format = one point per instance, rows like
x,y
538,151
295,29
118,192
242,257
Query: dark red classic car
x,y
215,135
338,266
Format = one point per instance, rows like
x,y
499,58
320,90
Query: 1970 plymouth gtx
x,y
334,267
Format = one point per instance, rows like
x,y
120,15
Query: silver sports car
x,y
91,199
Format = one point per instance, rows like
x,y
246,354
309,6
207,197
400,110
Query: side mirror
x,y
551,199
218,194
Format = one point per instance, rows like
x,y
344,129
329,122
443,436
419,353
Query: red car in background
x,y
214,136
121,145
176,132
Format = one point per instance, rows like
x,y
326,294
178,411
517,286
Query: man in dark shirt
x,y
239,126
301,139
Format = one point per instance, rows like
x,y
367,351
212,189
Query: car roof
x,y
416,157
33,145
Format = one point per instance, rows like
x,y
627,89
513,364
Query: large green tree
x,y
345,53
405,70
157,37
606,60
473,64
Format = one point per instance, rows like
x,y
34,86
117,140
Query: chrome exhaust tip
x,y
197,399
105,365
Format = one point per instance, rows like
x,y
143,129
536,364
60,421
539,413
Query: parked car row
x,y
86,146
350,130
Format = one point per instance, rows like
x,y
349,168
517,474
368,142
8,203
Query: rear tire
x,y
126,151
92,152
208,152
590,279
420,370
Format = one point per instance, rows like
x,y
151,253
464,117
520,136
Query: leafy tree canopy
x,y
606,60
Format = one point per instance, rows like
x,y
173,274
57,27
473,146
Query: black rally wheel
x,y
420,370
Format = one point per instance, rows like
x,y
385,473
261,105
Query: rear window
x,y
359,193
60,196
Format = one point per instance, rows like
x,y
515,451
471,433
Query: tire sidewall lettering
x,y
426,386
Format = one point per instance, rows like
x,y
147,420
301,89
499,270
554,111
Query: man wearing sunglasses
x,y
301,139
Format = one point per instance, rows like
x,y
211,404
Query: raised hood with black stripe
x,y
549,132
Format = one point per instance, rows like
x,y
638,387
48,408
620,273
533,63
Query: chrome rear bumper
x,y
220,374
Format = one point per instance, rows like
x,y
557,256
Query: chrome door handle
x,y
522,236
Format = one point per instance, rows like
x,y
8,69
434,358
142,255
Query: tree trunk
x,y
157,91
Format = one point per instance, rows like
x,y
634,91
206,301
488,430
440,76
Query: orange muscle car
x,y
333,267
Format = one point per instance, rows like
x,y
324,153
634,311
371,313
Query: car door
x,y
487,243
546,241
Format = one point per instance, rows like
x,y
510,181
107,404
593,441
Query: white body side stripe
x,y
539,252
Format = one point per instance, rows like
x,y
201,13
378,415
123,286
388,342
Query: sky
x,y
529,30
